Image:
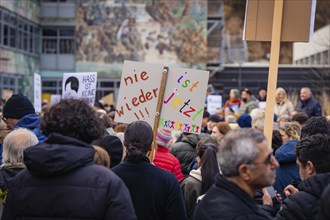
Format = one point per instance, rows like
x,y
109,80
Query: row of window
x,y
322,58
18,33
58,40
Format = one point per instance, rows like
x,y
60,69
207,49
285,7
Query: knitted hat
x,y
244,121
114,147
163,136
17,107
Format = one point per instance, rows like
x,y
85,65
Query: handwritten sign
x,y
37,93
54,99
183,98
80,86
213,102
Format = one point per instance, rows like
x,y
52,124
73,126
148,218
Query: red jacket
x,y
165,160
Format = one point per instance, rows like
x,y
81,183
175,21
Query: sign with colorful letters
x,y
80,86
183,102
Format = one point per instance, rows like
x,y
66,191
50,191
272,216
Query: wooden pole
x,y
273,68
158,111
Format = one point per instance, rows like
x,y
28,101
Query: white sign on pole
x,y
54,99
183,97
37,93
213,102
80,86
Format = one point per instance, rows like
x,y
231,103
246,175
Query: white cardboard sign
x,y
37,93
183,97
80,86
213,102
54,99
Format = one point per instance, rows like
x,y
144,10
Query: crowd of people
x,y
76,162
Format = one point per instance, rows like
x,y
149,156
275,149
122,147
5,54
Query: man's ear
x,y
244,172
310,168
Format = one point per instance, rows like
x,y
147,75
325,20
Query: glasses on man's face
x,y
4,129
5,120
268,161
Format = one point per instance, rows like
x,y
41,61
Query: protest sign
x,y
213,102
37,93
80,86
183,101
54,99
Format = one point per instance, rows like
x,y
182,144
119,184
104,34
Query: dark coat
x,y
7,172
311,107
62,182
288,172
185,151
304,205
324,211
155,193
226,200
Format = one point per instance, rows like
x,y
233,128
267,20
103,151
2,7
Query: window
x,y
58,40
18,33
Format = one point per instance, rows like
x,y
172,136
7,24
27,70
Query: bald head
x,y
15,143
305,93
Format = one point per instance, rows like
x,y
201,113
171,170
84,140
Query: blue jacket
x,y
311,107
32,122
288,172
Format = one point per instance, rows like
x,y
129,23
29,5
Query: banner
x,y
37,93
80,86
183,97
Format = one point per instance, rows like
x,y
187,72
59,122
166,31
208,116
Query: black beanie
x,y
114,147
17,107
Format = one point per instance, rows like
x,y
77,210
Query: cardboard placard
x,y
213,102
37,101
183,97
297,24
54,99
80,86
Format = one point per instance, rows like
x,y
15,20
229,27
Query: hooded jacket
x,y
288,172
185,151
304,205
31,122
62,182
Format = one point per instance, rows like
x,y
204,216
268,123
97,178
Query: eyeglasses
x,y
5,120
268,161
4,129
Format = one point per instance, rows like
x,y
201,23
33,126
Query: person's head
x,y
16,108
231,119
276,140
305,93
284,118
113,146
246,94
289,131
120,128
280,95
300,118
262,93
220,130
213,119
246,158
244,121
206,116
15,143
73,118
234,94
258,119
207,159
315,125
220,112
313,155
3,131
137,140
210,89
163,137
101,157
103,116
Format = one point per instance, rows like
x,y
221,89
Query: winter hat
x,y
215,118
163,136
114,147
17,107
244,121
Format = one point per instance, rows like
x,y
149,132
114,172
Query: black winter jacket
x,y
324,211
304,205
185,151
155,193
62,182
225,200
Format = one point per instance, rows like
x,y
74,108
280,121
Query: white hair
x,y
15,143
